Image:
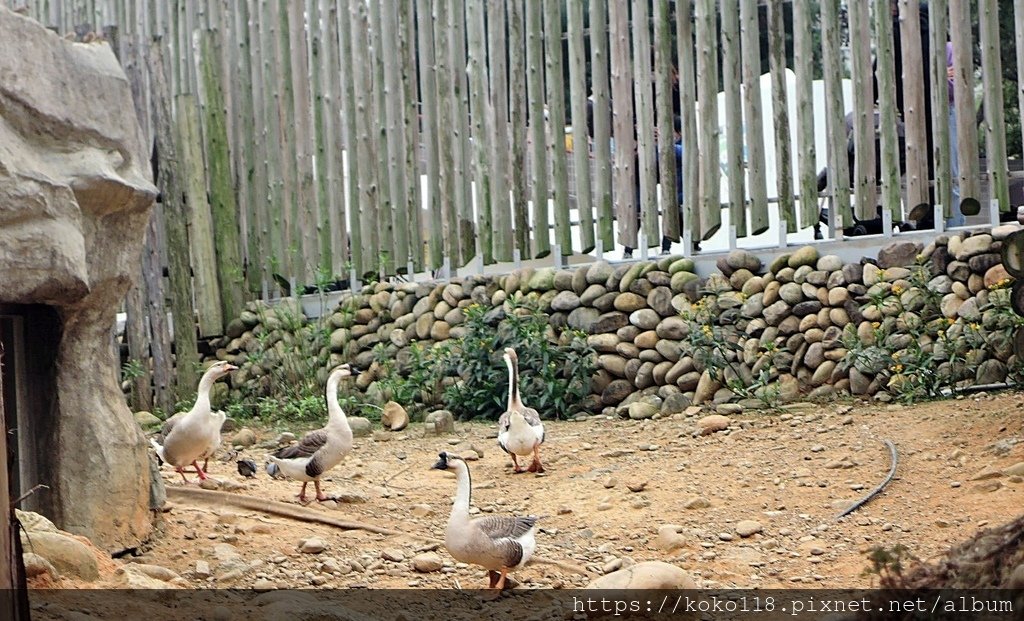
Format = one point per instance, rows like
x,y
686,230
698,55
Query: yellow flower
x,y
897,289
950,320
896,355
876,325
897,368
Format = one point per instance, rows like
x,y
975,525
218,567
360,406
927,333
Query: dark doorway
x,y
30,334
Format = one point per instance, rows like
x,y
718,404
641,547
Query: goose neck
x,y
463,488
513,383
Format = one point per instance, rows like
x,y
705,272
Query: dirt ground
x,y
791,471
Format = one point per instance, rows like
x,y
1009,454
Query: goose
x,y
520,432
498,543
186,437
319,450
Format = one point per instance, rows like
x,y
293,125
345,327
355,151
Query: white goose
x,y
498,543
189,436
319,450
520,431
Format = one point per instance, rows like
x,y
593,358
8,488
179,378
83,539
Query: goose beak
x,y
230,367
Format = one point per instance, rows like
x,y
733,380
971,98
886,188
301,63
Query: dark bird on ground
x,y
247,468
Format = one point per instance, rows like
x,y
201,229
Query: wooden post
x,y
622,123
555,80
518,112
460,102
411,126
995,117
501,212
305,217
863,110
663,54
535,88
731,78
291,261
322,112
602,106
431,133
963,99
175,217
707,95
838,166
204,260
938,22
803,57
14,604
643,90
1018,27
366,140
445,140
394,102
889,145
578,108
756,180
780,112
350,112
222,197
385,203
483,125
688,106
247,131
914,119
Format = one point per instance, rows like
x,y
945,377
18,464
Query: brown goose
x,y
319,450
498,543
520,431
187,437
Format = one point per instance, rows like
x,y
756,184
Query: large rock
x,y
646,575
68,555
76,195
394,416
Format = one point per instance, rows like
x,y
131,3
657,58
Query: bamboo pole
x,y
535,87
321,99
938,23
460,101
601,108
411,126
305,216
838,166
501,212
643,84
1018,27
14,603
688,107
175,215
756,180
732,77
445,140
622,123
350,112
366,141
204,256
780,112
244,129
394,100
578,110
889,145
555,80
291,241
914,120
707,95
386,215
864,112
222,197
663,54
483,125
995,117
431,134
276,258
517,75
963,99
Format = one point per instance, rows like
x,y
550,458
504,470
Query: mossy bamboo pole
x,y
349,113
780,113
915,123
643,92
411,127
995,117
501,207
838,166
623,124
732,77
394,103
379,135
863,110
460,102
688,107
431,132
663,54
554,77
447,188
707,95
938,25
538,153
482,116
223,207
889,144
518,113
963,99
600,89
756,179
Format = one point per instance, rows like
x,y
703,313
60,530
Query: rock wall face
x,y
902,325
75,196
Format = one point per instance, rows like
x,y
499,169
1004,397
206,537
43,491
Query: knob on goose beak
x,y
442,463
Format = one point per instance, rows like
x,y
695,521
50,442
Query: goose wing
x,y
168,426
505,526
504,421
531,416
307,447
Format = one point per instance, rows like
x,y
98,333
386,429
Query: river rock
x,y
645,576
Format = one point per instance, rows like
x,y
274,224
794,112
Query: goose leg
x,y
515,465
181,471
501,580
536,466
206,464
202,474
302,493
493,575
320,496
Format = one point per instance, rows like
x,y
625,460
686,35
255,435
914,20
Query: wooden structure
x,y
304,142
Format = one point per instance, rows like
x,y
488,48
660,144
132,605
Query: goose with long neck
x,y
188,436
319,450
498,543
520,430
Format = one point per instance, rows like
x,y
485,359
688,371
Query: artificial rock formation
x,y
75,196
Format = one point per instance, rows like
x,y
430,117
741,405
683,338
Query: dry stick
x,y
308,515
894,457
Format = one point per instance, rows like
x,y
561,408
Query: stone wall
x,y
794,316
